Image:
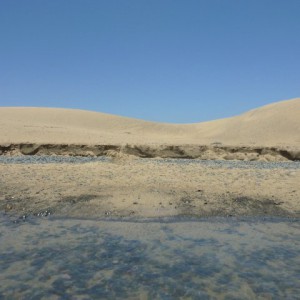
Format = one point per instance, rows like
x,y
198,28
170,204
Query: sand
x,y
277,124
148,188
131,187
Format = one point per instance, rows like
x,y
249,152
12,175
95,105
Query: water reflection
x,y
208,259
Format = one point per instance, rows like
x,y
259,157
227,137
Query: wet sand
x,y
150,188
217,258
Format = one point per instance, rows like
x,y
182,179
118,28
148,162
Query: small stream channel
x,y
51,258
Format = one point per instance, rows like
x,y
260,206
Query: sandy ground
x,y
147,188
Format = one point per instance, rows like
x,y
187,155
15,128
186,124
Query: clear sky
x,y
177,61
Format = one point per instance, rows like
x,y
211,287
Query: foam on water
x,y
173,259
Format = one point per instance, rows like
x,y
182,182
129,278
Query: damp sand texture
x,y
102,187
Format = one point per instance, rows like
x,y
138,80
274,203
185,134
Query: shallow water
x,y
228,164
170,259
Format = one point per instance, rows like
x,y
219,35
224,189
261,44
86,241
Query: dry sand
x,y
144,188
277,124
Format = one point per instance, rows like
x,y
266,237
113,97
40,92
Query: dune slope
x,y
277,124
271,125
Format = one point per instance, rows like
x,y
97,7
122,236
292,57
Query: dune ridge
x,y
271,131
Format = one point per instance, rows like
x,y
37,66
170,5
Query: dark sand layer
x,y
213,151
148,187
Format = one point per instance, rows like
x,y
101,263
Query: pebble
x,y
46,213
47,159
229,164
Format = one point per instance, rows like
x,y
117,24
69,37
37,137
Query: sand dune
x,y
271,125
277,124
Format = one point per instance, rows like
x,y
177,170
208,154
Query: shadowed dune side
x,y
270,130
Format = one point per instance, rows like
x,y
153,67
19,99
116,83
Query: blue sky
x,y
177,61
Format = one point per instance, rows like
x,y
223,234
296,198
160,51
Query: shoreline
x,y
176,219
146,188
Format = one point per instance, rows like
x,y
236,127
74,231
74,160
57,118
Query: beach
x,y
96,206
149,150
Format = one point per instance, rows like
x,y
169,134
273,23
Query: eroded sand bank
x,y
210,152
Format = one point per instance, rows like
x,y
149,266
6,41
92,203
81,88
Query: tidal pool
x,y
48,258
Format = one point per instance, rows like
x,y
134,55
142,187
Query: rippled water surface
x,y
173,259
